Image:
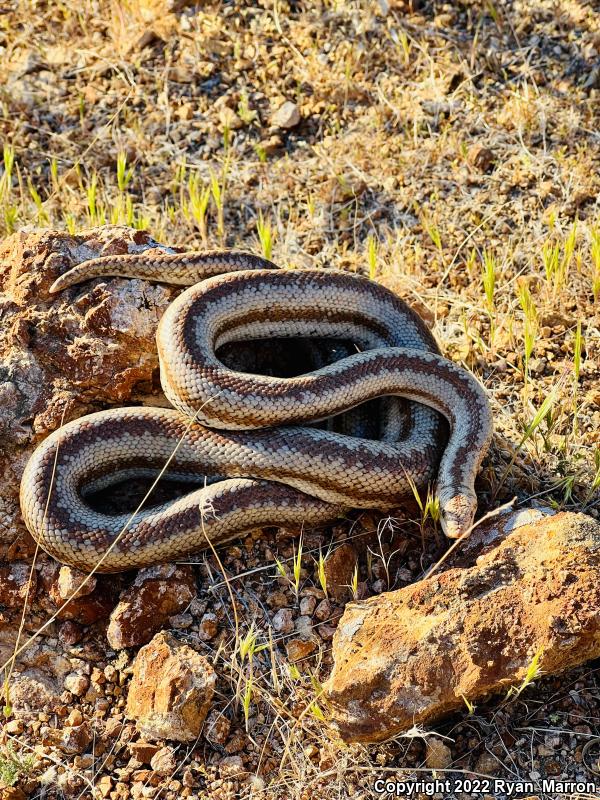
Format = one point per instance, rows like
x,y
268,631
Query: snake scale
x,y
359,429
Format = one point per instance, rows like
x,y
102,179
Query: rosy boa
x,y
255,437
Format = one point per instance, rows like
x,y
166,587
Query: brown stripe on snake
x,y
201,312
321,384
234,454
313,475
228,285
275,316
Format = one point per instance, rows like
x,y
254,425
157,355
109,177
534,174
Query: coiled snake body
x,y
260,438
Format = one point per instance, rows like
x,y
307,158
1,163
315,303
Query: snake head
x,y
457,514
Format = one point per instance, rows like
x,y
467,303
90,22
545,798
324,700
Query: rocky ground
x,y
448,150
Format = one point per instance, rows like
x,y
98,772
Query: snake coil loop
x,y
260,439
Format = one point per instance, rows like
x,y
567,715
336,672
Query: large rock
x,y
62,356
156,594
171,690
411,656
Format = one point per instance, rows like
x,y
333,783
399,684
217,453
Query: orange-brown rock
x,y
85,608
143,751
156,594
298,649
12,793
69,354
171,690
339,571
411,656
481,157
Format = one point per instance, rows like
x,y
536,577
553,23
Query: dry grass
x,y
451,153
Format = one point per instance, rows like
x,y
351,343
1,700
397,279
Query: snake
x,y
372,416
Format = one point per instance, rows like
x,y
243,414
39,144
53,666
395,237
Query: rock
x,y
437,754
41,666
188,779
277,600
76,740
143,751
286,116
486,537
59,582
339,570
229,119
303,627
28,61
217,728
74,719
401,6
439,109
17,582
171,690
297,649
14,727
326,632
270,145
208,627
537,366
70,633
34,690
12,793
307,606
481,157
104,786
238,742
115,729
283,621
69,354
72,583
180,73
156,594
311,751
521,586
163,761
323,611
185,112
181,622
84,762
593,79
230,766
77,684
